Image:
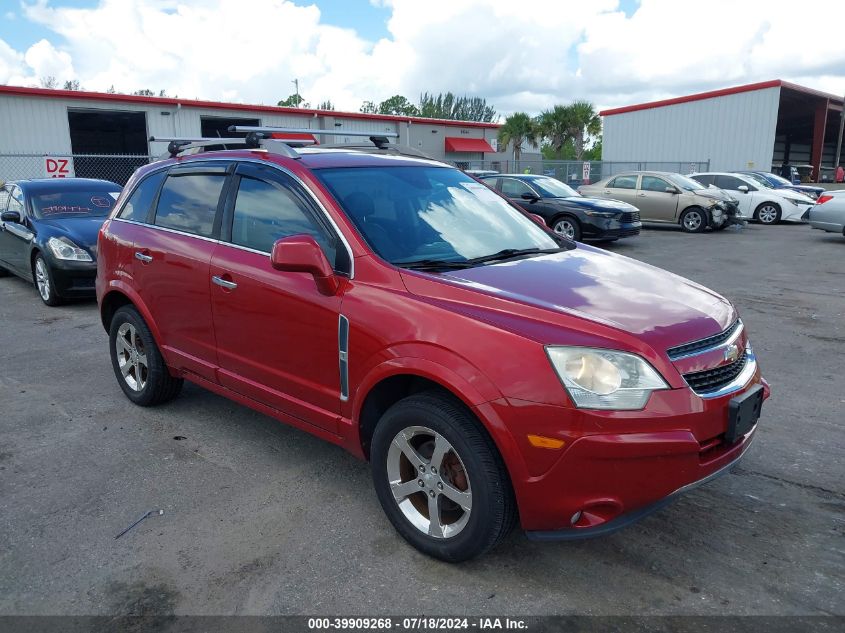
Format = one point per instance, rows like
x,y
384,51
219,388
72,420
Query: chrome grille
x,y
679,351
710,380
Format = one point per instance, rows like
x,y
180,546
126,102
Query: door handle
x,y
641,195
224,283
144,258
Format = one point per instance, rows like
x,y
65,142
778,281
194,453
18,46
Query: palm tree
x,y
556,127
517,129
584,122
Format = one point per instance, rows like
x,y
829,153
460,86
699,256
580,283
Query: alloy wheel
x,y
565,228
767,214
429,482
131,357
692,220
42,279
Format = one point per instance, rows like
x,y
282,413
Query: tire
x,y
135,355
567,226
474,475
43,278
694,220
767,213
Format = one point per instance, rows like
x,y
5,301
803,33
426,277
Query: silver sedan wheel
x,y
768,214
693,220
429,482
131,357
42,279
565,227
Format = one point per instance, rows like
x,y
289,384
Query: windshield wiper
x,y
432,264
510,253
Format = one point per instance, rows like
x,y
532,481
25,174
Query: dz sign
x,y
58,167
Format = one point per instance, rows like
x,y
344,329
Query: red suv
x,y
492,371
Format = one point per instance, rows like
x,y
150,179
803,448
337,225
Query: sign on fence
x,y
58,167
585,172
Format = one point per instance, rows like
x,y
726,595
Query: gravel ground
x,y
262,519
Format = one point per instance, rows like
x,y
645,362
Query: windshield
x,y
430,214
760,180
73,203
685,183
552,188
778,179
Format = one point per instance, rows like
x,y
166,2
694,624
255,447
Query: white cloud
x,y
526,54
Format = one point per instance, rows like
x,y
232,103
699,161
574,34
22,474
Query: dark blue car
x,y
48,233
779,182
566,211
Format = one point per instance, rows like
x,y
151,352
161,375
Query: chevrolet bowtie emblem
x,y
731,352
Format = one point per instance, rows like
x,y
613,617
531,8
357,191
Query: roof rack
x,y
264,138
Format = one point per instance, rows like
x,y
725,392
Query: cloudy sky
x,y
519,54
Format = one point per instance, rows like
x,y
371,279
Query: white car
x,y
829,212
757,198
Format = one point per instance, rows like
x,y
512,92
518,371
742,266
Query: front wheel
x,y
694,220
440,478
567,227
44,282
137,361
768,213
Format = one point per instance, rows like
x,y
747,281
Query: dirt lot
x,y
262,519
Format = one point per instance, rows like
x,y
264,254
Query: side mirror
x,y
671,190
302,254
11,216
742,188
529,196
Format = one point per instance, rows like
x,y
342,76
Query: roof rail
x,y
295,130
176,146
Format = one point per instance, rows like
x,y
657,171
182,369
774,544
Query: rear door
x,y
277,335
732,184
652,195
172,258
623,188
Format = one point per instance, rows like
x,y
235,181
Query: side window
x,y
651,183
513,188
623,182
16,201
4,199
490,182
188,201
138,206
266,211
730,182
704,179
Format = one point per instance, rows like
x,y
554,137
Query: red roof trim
x,y
774,83
459,144
170,101
295,136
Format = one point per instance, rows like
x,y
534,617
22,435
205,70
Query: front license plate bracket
x,y
743,413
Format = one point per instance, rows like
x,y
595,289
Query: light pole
x,y
295,82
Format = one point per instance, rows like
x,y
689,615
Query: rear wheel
x,y
568,227
44,282
694,220
440,478
767,213
137,361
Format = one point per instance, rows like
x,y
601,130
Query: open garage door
x,y
218,126
108,144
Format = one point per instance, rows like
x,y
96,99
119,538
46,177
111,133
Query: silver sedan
x,y
828,214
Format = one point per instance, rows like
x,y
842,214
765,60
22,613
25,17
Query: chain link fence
x,y
574,172
114,167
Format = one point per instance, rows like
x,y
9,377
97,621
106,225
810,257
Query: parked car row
x,y
493,371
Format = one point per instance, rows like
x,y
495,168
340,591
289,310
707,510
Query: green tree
x,y
594,153
49,82
517,129
448,106
556,128
398,105
325,105
72,84
368,107
585,122
145,92
293,101
111,90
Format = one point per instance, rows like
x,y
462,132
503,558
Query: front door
x,y
171,259
277,335
15,237
652,196
731,184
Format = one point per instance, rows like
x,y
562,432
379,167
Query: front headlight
x,y
605,379
601,214
63,248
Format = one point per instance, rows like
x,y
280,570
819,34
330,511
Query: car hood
x,y
81,230
598,204
586,283
713,193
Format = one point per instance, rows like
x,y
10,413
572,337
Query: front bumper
x,y
609,228
616,466
795,212
74,280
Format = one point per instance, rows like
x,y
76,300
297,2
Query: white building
x,y
753,127
38,122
